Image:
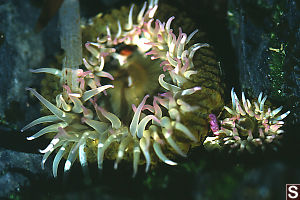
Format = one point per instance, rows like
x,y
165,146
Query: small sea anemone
x,y
91,118
251,125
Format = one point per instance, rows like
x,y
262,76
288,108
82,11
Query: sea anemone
x,y
250,126
91,118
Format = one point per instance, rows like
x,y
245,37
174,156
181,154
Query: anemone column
x,y
70,36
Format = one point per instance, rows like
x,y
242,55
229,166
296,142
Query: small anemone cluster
x,y
250,125
80,122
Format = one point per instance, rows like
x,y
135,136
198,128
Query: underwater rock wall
x,y
20,49
265,36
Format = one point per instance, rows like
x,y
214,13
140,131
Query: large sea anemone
x,y
123,103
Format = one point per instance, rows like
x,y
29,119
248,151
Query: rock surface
x,y
266,40
20,49
17,170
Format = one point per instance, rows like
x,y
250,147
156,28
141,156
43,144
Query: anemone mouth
x,y
246,124
135,75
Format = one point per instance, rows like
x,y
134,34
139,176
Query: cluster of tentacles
x,y
79,120
250,126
